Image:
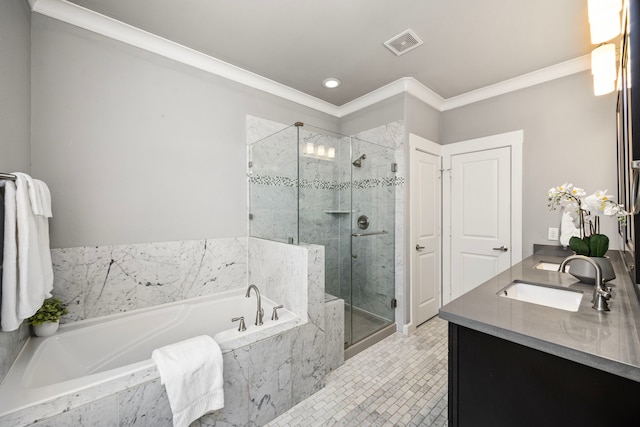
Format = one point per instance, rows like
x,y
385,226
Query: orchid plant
x,y
585,212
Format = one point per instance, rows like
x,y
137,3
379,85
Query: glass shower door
x,y
372,225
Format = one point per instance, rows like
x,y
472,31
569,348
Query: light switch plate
x,y
553,233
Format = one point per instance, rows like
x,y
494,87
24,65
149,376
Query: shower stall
x,y
312,186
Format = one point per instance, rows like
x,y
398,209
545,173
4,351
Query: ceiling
x,y
468,44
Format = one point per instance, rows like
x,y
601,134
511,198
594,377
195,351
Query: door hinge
x,y
394,303
250,164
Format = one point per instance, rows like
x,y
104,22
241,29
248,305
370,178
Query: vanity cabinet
x,y
495,382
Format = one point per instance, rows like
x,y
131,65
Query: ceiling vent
x,y
403,42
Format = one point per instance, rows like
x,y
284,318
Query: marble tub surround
x,y
295,275
96,281
334,333
10,345
263,378
280,271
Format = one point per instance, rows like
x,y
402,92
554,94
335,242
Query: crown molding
x,y
543,75
404,85
87,19
79,16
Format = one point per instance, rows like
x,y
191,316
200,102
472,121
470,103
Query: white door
x,y
425,229
482,210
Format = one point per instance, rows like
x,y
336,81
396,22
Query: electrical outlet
x,y
553,233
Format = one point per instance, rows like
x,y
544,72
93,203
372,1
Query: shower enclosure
x,y
312,186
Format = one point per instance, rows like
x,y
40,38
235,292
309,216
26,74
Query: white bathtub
x,y
95,353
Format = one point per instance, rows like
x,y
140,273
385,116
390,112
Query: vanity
x,y
516,363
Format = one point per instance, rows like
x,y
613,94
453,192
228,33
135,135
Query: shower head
x,y
358,162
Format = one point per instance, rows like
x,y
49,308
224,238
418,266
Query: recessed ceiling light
x,y
331,83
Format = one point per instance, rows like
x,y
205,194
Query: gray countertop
x,y
607,341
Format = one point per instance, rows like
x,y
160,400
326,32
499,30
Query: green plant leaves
x,y
598,245
595,245
51,311
580,246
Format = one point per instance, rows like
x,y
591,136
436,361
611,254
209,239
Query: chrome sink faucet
x,y
600,293
260,311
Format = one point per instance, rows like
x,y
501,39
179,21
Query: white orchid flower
x,y
597,202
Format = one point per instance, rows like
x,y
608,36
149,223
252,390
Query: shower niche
x,y
312,186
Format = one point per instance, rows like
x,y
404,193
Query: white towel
x,y
39,196
191,371
27,277
9,320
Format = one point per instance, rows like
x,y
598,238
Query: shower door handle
x,y
419,248
375,233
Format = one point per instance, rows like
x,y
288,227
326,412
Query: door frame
x,y
513,140
418,143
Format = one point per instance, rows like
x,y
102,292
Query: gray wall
x,y
421,119
136,147
14,125
569,136
14,86
386,111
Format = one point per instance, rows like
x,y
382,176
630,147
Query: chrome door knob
x,y
502,248
419,248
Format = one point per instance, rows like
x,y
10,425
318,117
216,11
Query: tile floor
x,y
401,381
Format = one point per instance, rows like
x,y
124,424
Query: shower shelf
x,y
337,212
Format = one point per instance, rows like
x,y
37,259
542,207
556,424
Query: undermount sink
x,y
547,295
550,266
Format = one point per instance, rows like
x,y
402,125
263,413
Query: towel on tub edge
x,y
191,371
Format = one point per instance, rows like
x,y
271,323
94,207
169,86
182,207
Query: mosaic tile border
x,y
283,181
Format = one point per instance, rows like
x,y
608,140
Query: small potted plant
x,y
47,319
585,212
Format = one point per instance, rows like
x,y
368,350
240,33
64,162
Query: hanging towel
x,y
27,276
1,232
8,305
191,371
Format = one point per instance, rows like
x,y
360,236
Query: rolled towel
x,y
191,371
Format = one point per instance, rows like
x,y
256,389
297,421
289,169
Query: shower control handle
x,y
419,248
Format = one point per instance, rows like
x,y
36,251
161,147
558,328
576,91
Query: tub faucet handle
x,y
241,326
274,315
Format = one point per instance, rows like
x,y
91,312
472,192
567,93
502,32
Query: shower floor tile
x,y
399,381
363,324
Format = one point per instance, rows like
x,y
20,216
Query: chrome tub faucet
x,y
260,311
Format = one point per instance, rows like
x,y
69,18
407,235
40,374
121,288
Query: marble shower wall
x,y
326,188
321,209
96,281
273,178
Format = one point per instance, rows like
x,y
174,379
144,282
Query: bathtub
x,y
92,358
